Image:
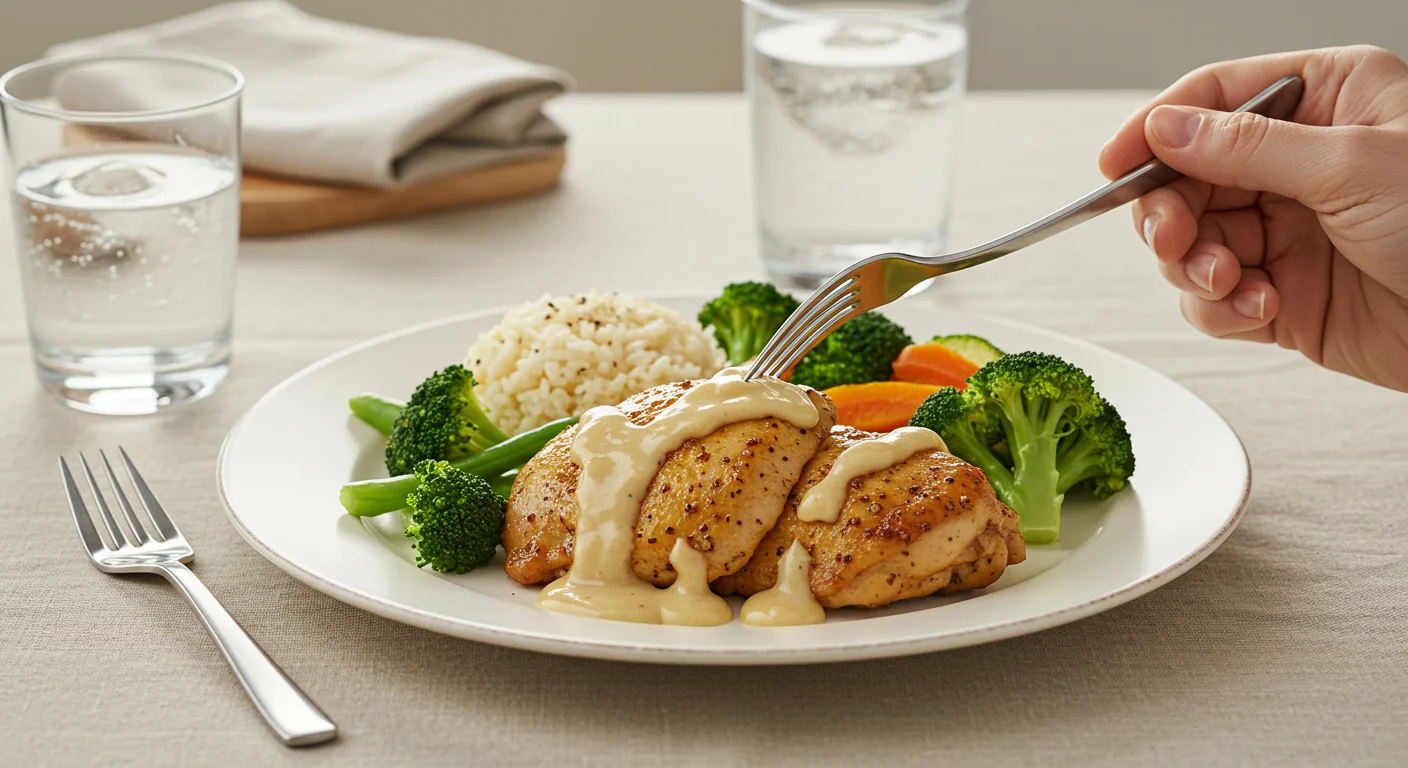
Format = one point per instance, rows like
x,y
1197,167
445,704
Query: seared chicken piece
x,y
721,493
929,524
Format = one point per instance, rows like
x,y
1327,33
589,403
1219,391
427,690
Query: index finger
x,y
1225,86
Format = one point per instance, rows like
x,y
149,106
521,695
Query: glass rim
x,y
205,62
792,13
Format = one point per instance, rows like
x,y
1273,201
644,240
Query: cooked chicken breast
x,y
929,524
721,493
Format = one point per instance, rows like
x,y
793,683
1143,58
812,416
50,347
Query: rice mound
x,y
558,356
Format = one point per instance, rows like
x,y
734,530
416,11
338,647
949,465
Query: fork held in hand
x,y
287,710
878,280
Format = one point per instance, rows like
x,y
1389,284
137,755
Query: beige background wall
x,y
628,45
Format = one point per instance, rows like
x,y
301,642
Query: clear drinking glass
x,y
124,184
855,109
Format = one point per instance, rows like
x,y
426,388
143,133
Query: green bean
x,y
376,497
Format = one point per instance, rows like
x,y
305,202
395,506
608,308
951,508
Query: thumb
x,y
1241,149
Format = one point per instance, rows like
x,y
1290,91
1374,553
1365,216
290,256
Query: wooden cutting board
x,y
275,205
279,206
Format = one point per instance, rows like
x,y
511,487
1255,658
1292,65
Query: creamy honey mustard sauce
x,y
824,501
618,461
790,601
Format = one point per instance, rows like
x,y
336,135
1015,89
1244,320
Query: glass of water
x,y
855,109
124,185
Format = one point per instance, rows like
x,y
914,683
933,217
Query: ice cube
x,y
860,87
871,35
117,177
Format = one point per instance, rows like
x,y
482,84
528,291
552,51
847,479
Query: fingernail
x,y
1150,222
1173,126
1200,269
1250,304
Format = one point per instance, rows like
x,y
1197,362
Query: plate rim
x,y
616,651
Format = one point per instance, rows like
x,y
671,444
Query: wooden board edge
x,y
272,207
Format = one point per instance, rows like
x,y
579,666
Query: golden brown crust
x,y
722,493
538,530
928,524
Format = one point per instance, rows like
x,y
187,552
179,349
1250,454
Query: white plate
x,y
281,466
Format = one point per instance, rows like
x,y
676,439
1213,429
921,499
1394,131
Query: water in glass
x,y
128,258
855,122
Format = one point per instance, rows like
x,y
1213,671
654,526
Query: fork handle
x,y
1279,101
286,708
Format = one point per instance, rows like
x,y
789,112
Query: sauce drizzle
x,y
823,501
618,461
790,601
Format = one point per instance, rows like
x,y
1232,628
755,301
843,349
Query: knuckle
x,y
1372,53
1372,59
1205,72
1241,133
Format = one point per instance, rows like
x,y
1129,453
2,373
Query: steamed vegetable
x,y
376,497
977,349
443,420
880,406
933,364
1036,426
503,484
456,518
860,351
380,413
745,317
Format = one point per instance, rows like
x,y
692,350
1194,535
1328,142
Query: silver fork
x,y
287,710
878,280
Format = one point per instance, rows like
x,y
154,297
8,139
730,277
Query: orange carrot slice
x,y
879,406
933,364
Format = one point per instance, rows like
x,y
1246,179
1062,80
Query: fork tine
x,y
799,338
114,531
807,338
87,532
814,304
798,316
792,348
133,521
810,336
163,523
785,333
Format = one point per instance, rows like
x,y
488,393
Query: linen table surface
x,y
1289,645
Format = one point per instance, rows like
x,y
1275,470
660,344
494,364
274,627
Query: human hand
x,y
1287,232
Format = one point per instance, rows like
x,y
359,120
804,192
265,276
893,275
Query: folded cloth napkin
x,y
331,101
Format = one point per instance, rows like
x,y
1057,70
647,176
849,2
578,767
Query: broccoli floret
x,y
1039,399
1098,456
443,420
860,351
456,518
368,498
978,350
1035,425
745,317
968,432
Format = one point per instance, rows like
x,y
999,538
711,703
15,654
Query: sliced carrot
x,y
933,364
879,406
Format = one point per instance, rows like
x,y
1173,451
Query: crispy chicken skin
x,y
930,524
722,493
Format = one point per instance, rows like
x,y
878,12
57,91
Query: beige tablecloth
x,y
1287,646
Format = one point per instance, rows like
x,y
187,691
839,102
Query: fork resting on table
x,y
289,712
